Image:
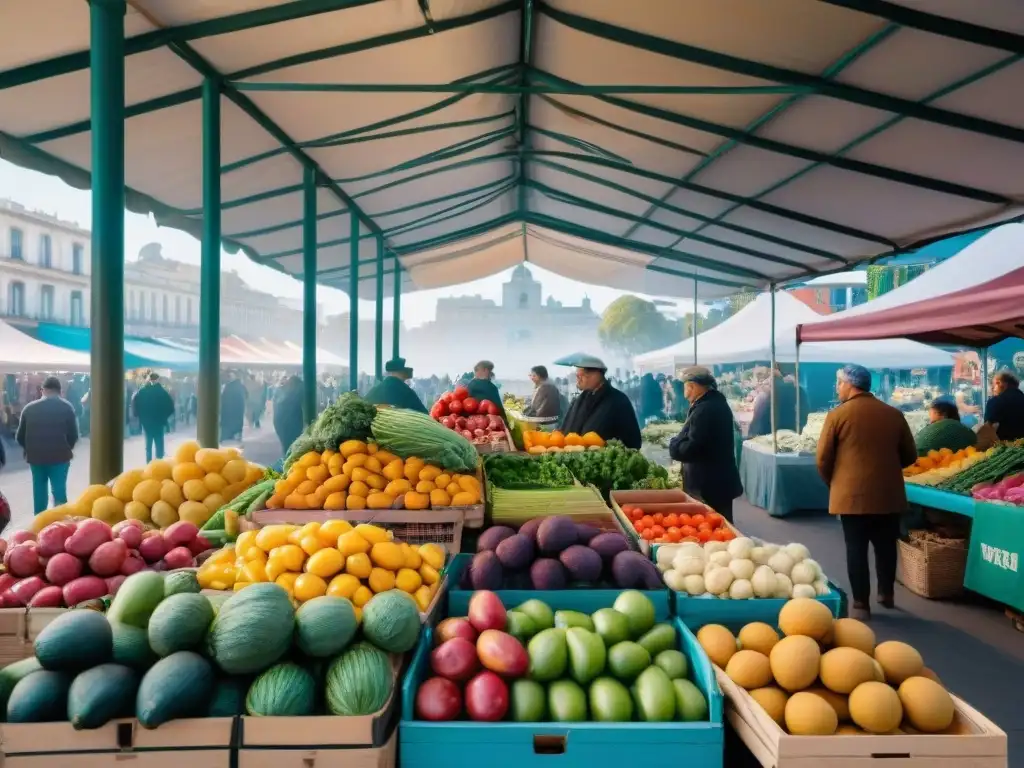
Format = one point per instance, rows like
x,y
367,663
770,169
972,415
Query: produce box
x,y
505,445
671,501
465,744
201,743
972,740
695,612
14,645
514,507
325,741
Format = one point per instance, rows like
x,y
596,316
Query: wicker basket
x,y
932,566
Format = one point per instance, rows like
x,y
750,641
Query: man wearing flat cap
x,y
863,448
705,445
600,407
394,389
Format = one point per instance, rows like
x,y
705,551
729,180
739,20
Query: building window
x,y
167,314
16,238
131,304
16,299
177,310
188,310
45,251
46,302
77,252
152,306
837,298
524,301
77,310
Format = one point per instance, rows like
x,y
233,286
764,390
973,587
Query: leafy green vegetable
x,y
524,473
347,418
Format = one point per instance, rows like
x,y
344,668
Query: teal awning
x,y
138,352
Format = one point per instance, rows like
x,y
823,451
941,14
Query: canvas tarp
x,y
20,353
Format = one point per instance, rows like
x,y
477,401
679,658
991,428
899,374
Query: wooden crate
x,y
14,645
318,754
973,741
38,618
199,743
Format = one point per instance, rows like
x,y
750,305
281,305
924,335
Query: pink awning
x,y
978,316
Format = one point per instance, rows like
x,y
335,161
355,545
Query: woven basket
x,y
932,566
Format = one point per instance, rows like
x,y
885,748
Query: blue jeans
x,y
154,441
46,477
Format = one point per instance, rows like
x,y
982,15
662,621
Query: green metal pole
x,y
106,61
353,304
396,308
378,368
208,391
309,316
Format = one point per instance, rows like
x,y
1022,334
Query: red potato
x,y
159,566
48,597
87,537
180,534
130,532
114,583
20,537
7,581
23,559
198,545
26,589
456,626
63,569
202,557
486,697
133,563
53,537
153,548
108,557
455,659
179,557
438,699
82,589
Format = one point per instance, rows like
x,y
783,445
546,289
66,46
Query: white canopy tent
x,y
746,337
20,352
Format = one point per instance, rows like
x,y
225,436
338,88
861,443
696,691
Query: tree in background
x,y
631,326
738,301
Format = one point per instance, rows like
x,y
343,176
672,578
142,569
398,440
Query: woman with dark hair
x,y
652,401
944,429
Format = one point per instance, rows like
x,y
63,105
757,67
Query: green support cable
x,y
378,336
396,308
309,313
353,304
106,59
208,391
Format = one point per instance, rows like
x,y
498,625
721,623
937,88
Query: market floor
x,y
969,643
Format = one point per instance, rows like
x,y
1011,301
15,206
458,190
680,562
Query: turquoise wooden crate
x,y
464,744
585,600
695,612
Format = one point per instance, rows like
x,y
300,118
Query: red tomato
x,y
715,519
648,535
470,404
720,534
440,409
672,520
482,408
684,519
492,408
461,393
658,531
705,526
658,518
647,520
673,534
455,406
638,526
694,519
635,514
727,534
703,536
688,531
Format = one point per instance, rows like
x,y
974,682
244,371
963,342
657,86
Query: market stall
x,y
21,352
781,483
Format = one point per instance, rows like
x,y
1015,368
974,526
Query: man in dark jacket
x,y
48,430
1005,409
153,406
600,407
705,445
394,389
232,408
786,393
288,420
482,386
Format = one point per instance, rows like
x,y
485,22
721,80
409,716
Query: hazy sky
x,y
49,194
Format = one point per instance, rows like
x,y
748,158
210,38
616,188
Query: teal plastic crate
x,y
465,744
581,599
695,612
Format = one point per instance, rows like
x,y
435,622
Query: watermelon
x,y
75,641
391,621
178,582
177,686
179,623
324,626
284,690
252,630
360,681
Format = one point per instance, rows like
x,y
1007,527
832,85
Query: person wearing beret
x,y
863,448
394,390
705,445
600,407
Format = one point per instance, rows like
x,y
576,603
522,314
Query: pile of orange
x,y
671,528
557,441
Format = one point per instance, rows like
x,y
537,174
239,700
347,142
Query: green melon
x,y
177,686
102,694
391,621
136,599
75,641
131,647
284,690
359,682
40,697
179,623
228,697
181,582
252,630
11,675
324,626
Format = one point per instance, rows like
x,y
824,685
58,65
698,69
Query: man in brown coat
x,y
863,448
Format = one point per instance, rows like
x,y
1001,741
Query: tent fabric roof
x,y
234,350
978,316
746,337
739,142
21,352
139,353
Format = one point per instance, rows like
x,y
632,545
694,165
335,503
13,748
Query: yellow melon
x,y
846,729
875,707
843,669
794,662
109,509
235,471
186,471
773,701
926,704
163,514
210,459
125,484
170,493
194,512
90,494
215,483
254,473
879,673
158,469
804,616
899,661
717,642
147,492
136,510
810,715
195,490
930,674
749,669
213,502
231,453
758,636
850,633
837,701
186,453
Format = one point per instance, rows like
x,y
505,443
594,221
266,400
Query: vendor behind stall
x,y
944,429
787,390
547,401
1005,409
705,444
482,386
600,407
394,389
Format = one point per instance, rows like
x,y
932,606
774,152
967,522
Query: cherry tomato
x,y
658,518
728,535
688,531
696,519
703,536
719,534
658,531
671,520
636,513
647,520
673,534
648,535
715,519
705,526
684,519
638,526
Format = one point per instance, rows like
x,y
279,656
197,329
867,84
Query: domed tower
x,y
521,292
